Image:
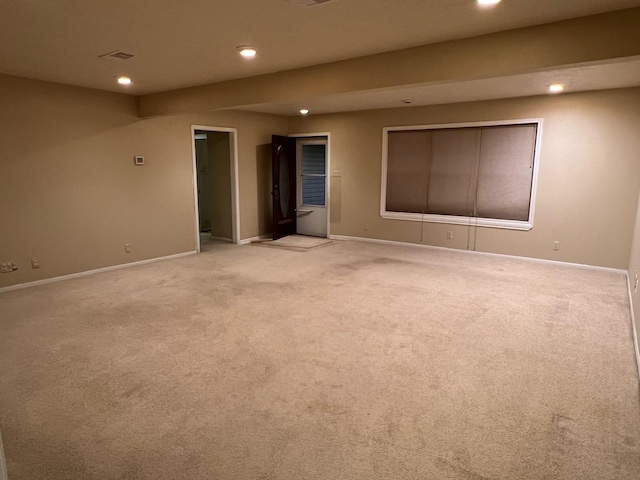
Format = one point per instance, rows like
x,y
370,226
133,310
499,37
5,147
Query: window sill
x,y
450,219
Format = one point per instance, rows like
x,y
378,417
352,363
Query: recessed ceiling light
x,y
556,88
124,80
488,3
246,51
304,111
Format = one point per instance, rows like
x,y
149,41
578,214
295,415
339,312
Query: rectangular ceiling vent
x,y
309,3
117,55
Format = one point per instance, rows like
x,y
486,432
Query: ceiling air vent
x,y
309,3
117,55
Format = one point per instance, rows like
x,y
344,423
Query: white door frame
x,y
235,190
327,135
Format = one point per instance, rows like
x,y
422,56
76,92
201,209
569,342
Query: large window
x,y
479,174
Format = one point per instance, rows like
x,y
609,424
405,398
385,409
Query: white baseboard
x,y
249,240
633,326
474,252
3,463
91,272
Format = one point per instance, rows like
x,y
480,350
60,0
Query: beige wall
x,y
634,269
588,182
71,196
219,153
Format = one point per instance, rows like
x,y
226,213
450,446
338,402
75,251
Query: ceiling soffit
x,y
597,39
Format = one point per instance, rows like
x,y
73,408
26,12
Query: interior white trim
x,y
633,326
475,252
91,272
327,135
235,188
457,220
3,463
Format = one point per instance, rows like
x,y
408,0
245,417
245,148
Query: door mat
x,y
298,243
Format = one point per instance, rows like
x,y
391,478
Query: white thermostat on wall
x,y
139,160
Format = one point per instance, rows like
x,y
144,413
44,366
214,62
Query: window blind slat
x,y
313,160
313,190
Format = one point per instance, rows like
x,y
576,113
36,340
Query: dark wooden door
x,y
283,160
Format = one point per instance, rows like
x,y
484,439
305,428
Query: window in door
x,y
313,172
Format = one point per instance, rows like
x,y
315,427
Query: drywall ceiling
x,y
617,74
192,42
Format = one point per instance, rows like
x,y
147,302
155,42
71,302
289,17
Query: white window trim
x,y
460,220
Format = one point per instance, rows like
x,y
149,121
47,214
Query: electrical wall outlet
x,y
449,235
127,248
35,263
556,246
8,267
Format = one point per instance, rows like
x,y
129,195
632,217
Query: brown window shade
x,y
452,184
475,171
506,171
408,170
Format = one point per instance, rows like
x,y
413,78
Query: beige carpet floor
x,y
351,361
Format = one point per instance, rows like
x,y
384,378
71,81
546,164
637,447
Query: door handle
x,y
304,211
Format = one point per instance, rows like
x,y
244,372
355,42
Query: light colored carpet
x,y
354,361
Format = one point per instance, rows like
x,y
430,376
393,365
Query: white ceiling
x,y
192,42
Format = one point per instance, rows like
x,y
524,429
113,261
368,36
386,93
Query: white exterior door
x,y
311,156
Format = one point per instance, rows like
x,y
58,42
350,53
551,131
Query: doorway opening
x,y
311,201
301,185
215,185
